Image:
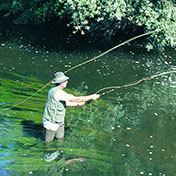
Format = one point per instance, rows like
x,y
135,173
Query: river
x,y
130,131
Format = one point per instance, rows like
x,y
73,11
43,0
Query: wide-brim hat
x,y
59,77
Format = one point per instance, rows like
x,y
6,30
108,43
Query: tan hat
x,y
59,77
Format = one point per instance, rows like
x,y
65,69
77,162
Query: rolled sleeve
x,y
62,96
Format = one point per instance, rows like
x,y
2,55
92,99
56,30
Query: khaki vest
x,y
54,111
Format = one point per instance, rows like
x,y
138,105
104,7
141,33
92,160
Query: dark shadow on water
x,y
32,129
56,35
20,109
36,130
8,117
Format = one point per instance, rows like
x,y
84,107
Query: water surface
x,y
128,132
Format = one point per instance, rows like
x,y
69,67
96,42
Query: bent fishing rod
x,y
86,62
113,88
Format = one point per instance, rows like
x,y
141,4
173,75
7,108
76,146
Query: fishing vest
x,y
54,111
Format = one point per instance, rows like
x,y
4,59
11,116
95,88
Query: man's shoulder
x,y
54,89
60,92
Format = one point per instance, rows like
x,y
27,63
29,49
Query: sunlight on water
x,y
128,132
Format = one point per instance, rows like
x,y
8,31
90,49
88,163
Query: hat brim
x,y
60,80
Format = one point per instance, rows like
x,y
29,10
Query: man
x,y
55,107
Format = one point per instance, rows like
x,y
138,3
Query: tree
x,y
104,18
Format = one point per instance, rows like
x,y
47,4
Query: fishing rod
x,y
113,88
83,63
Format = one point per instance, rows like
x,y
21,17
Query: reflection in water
x,y
128,132
59,166
31,129
56,169
52,153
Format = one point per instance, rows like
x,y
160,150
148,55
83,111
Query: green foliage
x,y
102,18
84,138
98,133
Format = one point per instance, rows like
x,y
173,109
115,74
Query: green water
x,y
129,132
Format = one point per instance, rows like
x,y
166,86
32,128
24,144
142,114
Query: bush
x,y
103,18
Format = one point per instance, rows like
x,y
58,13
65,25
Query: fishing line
x,y
106,52
113,88
83,63
28,97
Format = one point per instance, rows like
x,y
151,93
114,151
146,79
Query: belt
x,y
61,124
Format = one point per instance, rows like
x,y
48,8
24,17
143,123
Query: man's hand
x,y
81,103
95,96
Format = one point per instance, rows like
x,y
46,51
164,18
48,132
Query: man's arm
x,y
71,103
81,100
84,98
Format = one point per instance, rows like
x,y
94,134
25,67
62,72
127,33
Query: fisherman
x,y
55,107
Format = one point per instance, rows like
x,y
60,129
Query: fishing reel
x,y
89,101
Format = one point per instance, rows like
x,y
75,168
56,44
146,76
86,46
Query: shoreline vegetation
x,y
95,22
125,134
